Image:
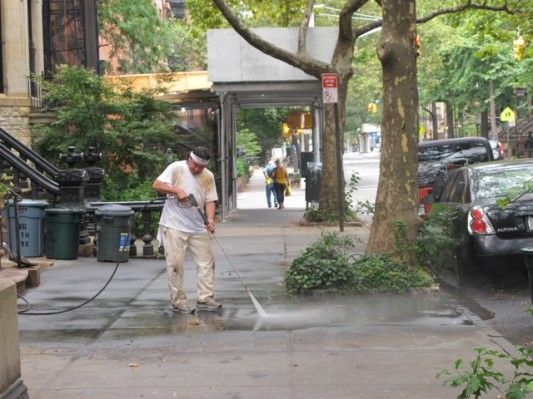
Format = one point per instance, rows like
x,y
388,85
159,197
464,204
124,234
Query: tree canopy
x,y
136,37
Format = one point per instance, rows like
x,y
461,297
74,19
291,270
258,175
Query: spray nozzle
x,y
192,201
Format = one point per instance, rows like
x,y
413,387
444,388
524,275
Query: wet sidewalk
x,y
128,344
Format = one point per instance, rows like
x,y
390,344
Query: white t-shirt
x,y
202,186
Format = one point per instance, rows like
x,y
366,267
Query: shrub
x,y
131,129
316,215
328,265
381,273
323,265
437,237
480,376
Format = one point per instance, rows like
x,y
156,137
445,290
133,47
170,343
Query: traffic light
x,y
372,107
417,44
519,46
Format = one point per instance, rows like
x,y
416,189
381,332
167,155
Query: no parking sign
x,y
329,88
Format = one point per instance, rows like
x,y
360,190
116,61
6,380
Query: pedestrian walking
x,y
281,182
181,227
269,185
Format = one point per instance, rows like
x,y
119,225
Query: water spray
x,y
260,310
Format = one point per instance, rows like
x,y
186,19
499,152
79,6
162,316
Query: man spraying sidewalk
x,y
181,228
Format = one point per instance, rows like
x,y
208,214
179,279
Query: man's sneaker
x,y
208,304
182,307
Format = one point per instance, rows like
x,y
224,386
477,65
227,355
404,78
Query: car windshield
x,y
472,151
504,182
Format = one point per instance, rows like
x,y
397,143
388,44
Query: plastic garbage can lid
x,y
114,210
30,203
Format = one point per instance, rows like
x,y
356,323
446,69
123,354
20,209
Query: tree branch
x,y
367,28
304,26
345,18
306,63
469,5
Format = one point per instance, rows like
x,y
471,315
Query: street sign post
x,y
330,96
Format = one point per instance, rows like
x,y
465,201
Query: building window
x,y
70,34
63,34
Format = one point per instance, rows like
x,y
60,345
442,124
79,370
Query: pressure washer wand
x,y
260,311
192,201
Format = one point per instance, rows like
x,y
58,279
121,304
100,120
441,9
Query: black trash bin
x,y
313,182
62,233
306,158
113,226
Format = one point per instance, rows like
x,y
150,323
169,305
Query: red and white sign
x,y
329,88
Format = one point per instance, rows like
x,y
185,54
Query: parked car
x,y
497,149
488,228
436,158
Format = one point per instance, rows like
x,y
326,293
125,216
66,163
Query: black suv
x,y
436,157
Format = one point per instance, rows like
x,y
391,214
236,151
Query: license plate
x,y
530,223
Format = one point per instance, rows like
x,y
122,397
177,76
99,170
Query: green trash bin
x,y
31,226
62,233
113,226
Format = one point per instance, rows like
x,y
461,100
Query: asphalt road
x,y
498,292
367,166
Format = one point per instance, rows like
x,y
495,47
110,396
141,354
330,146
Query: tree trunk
x,y
434,121
484,124
493,125
397,194
449,120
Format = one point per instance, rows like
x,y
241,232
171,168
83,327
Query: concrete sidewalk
x,y
127,344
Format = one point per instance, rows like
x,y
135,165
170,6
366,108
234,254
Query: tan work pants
x,y
176,244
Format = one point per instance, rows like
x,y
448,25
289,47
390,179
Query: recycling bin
x,y
31,226
62,228
113,227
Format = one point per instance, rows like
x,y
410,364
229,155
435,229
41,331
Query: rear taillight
x,y
500,150
478,226
478,223
424,191
424,209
